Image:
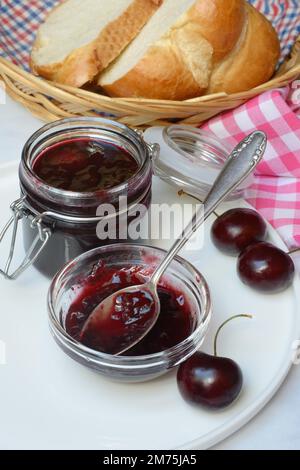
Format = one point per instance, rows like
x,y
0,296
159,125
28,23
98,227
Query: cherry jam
x,y
68,171
175,322
84,165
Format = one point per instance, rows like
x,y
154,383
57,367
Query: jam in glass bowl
x,y
82,284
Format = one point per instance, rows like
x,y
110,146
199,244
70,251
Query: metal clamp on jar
x,y
59,225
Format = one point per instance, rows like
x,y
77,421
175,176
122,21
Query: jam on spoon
x,y
176,322
131,314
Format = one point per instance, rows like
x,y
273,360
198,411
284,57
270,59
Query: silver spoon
x,y
121,320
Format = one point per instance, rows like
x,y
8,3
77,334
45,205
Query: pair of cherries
x,y
261,265
216,382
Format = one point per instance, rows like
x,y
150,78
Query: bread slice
x,y
156,64
81,38
192,47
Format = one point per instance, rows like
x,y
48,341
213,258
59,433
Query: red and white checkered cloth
x,y
276,191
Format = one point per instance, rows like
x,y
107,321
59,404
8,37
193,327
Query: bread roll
x,y
80,38
192,47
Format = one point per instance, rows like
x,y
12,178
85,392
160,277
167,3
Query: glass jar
x,y
180,274
191,159
59,225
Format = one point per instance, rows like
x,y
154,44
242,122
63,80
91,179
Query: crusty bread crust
x,y
84,63
253,60
167,71
221,23
218,45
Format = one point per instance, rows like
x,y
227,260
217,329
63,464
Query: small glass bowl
x,y
181,274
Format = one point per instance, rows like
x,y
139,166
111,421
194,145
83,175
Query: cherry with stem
x,y
212,382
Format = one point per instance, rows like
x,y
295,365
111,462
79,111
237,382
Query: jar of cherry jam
x,y
70,169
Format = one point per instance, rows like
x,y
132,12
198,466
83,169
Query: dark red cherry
x,y
236,229
266,268
210,381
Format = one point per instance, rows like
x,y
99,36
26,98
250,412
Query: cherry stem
x,y
183,193
221,327
295,250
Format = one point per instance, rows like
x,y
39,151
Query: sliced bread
x,y
192,47
153,65
81,38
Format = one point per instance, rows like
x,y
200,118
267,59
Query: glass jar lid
x,y
191,159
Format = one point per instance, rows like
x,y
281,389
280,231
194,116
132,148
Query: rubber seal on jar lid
x,y
191,159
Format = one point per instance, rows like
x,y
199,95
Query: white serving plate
x,y
48,401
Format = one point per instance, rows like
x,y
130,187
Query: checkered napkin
x,y
276,192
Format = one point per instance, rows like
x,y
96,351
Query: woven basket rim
x,y
51,101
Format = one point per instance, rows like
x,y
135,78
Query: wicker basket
x,y
50,101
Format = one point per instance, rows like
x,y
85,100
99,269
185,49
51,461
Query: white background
x,y
277,426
